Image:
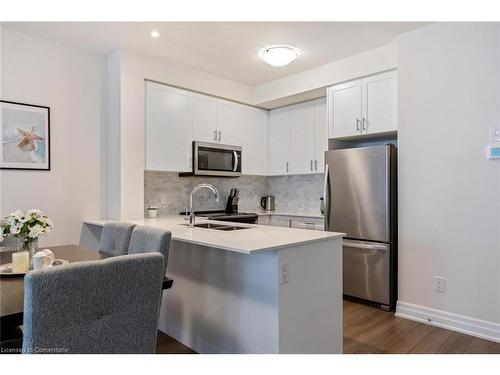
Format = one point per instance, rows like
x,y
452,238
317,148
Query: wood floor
x,y
368,330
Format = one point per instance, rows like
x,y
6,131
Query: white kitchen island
x,y
262,289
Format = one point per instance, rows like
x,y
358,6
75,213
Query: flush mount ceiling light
x,y
155,34
279,55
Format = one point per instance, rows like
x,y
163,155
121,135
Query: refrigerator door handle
x,y
326,199
364,245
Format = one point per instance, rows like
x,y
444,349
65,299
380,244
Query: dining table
x,y
12,287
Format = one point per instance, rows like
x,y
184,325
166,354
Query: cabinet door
x,y
344,109
229,124
253,137
168,128
302,138
204,118
320,134
279,141
379,103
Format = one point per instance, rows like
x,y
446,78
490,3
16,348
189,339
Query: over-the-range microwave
x,y
215,159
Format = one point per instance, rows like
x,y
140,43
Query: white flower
x,y
33,211
18,214
15,228
2,237
36,231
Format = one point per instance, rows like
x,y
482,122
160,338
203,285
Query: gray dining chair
x,y
115,238
148,239
106,306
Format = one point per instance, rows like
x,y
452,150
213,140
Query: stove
x,y
221,215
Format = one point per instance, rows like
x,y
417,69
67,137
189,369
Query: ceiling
x,y
226,49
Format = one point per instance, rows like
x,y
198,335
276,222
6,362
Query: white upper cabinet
x,y
298,138
176,117
204,118
302,138
320,134
363,106
379,103
168,128
253,134
279,141
229,122
344,106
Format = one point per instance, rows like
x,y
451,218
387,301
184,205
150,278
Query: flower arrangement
x,y
27,226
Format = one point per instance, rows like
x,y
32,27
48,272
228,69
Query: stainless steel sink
x,y
218,226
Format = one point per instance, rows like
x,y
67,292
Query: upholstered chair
x,y
106,306
115,238
148,239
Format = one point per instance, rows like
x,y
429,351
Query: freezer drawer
x,y
366,270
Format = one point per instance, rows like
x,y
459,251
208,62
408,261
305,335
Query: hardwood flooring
x,y
368,330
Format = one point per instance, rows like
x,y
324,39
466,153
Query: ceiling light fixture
x,y
155,34
279,55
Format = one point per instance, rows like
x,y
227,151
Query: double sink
x,y
223,227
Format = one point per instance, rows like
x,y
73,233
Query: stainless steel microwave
x,y
215,159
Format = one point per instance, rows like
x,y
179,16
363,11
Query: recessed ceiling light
x,y
279,55
155,34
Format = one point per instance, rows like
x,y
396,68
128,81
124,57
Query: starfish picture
x,y
27,142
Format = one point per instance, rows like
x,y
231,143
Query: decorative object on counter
x,y
25,132
28,227
20,262
152,211
43,258
267,203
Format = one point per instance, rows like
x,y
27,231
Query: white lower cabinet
x,y
287,221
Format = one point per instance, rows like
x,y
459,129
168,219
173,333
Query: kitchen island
x,y
261,289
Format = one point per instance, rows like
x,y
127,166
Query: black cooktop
x,y
240,217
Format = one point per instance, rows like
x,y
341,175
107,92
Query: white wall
x,y
72,84
355,66
449,210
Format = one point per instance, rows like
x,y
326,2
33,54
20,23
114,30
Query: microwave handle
x,y
235,155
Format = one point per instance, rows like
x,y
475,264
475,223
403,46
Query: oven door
x,y
216,160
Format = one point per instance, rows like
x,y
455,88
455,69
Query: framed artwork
x,y
24,136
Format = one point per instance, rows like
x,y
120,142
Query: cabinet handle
x,y
286,167
357,124
311,165
220,132
315,165
215,135
365,122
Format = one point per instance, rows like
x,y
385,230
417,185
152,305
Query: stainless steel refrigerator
x,y
361,200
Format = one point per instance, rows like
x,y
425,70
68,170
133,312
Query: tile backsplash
x,y
297,193
293,193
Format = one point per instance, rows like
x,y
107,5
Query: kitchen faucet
x,y
193,192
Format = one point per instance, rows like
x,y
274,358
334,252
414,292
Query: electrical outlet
x,y
163,198
284,273
439,283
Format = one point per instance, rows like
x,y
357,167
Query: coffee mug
x,y
43,258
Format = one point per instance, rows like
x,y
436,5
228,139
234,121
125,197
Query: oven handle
x,y
235,155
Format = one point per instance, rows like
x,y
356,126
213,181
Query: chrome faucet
x,y
193,192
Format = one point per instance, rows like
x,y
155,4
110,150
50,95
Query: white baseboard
x,y
459,323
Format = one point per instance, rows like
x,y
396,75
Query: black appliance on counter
x,y
232,202
230,213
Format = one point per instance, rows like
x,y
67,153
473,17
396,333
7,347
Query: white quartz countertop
x,y
247,241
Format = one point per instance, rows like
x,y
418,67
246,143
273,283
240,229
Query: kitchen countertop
x,y
247,241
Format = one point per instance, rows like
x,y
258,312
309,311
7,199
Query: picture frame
x,y
24,136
